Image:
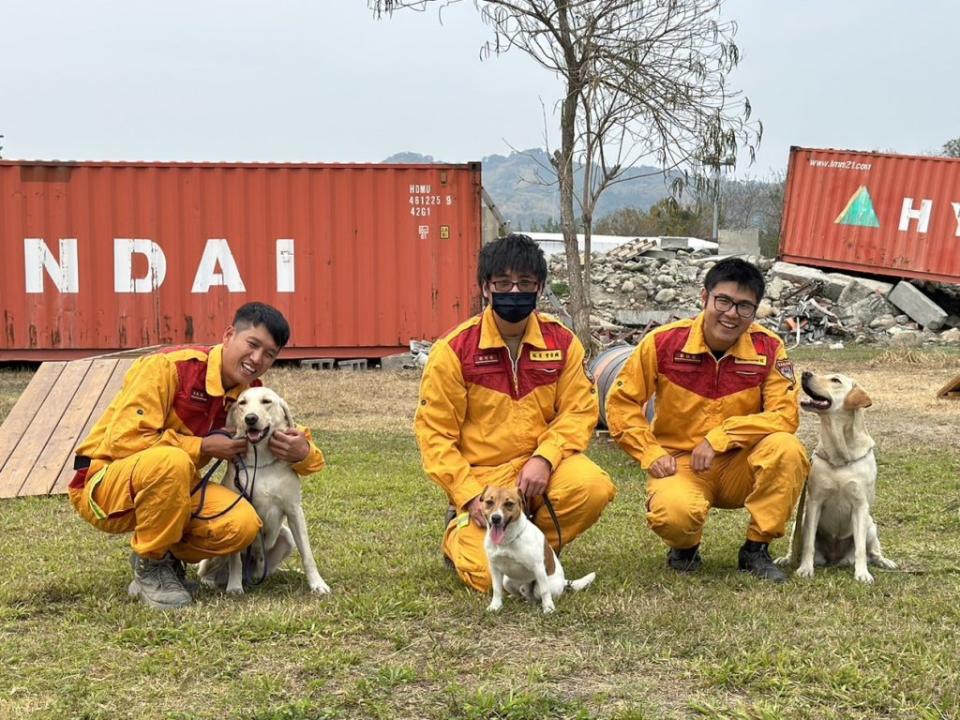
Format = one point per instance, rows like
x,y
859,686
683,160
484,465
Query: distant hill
x,y
512,181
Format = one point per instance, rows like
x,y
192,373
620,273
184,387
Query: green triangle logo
x,y
859,210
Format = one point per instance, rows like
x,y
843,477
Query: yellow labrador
x,y
837,525
277,497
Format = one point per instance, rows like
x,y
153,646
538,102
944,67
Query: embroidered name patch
x,y
785,367
682,357
762,360
199,396
546,355
488,359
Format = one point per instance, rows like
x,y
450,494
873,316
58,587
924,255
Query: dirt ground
x,y
903,386
905,413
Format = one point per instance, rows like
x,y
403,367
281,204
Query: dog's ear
x,y
233,416
483,495
287,417
857,399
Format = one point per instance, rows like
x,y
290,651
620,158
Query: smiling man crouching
x,y
723,432
137,467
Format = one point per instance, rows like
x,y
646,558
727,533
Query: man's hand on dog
x,y
475,508
702,457
222,447
663,467
534,478
289,445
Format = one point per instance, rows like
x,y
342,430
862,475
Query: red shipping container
x,y
360,258
876,213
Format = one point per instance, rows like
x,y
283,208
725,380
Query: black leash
x,y
556,522
245,493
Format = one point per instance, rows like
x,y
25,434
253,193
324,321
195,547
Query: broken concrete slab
x,y
832,283
864,310
918,306
856,290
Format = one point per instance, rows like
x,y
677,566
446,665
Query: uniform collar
x,y
214,381
696,343
490,336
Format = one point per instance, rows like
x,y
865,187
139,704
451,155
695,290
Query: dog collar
x,y
843,464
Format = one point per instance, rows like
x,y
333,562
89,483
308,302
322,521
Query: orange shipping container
x,y
360,258
877,213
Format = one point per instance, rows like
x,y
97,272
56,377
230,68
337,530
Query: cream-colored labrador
x,y
277,498
837,525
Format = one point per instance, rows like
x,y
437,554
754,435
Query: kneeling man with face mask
x,y
506,400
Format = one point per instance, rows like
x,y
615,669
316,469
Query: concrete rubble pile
x,y
635,288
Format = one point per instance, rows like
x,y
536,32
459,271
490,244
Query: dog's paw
x,y
494,606
320,588
863,576
548,608
885,563
804,571
782,561
208,581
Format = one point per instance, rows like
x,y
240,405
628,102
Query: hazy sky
x,y
321,80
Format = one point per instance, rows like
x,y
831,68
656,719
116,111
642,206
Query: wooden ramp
x,y
951,390
56,411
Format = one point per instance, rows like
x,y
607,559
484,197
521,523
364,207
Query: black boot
x,y
755,559
684,560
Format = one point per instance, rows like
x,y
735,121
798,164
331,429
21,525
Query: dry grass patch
x,y
903,385
348,400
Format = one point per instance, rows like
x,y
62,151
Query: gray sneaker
x,y
158,583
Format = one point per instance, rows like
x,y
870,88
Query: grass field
x,y
401,638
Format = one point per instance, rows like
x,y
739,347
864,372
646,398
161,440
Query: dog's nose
x,y
496,519
250,419
805,375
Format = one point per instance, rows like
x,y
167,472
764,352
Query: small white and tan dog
x,y
277,497
837,525
521,560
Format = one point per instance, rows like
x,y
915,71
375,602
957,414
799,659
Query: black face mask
x,y
514,306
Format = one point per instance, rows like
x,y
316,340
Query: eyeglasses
x,y
745,309
522,285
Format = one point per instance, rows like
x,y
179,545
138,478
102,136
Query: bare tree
x,y
642,79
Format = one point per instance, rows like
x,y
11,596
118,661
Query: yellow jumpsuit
x,y
481,417
144,455
744,405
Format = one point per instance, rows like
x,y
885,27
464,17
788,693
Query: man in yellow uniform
x,y
137,468
726,414
505,399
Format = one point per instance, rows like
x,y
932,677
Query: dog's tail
x,y
581,584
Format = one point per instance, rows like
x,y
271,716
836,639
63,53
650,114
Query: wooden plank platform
x,y
951,390
55,412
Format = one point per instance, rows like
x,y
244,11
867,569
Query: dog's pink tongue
x,y
496,534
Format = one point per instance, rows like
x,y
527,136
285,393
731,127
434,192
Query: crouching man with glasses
x,y
506,401
722,434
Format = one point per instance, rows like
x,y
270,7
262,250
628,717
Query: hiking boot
x,y
158,583
190,586
684,560
755,559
